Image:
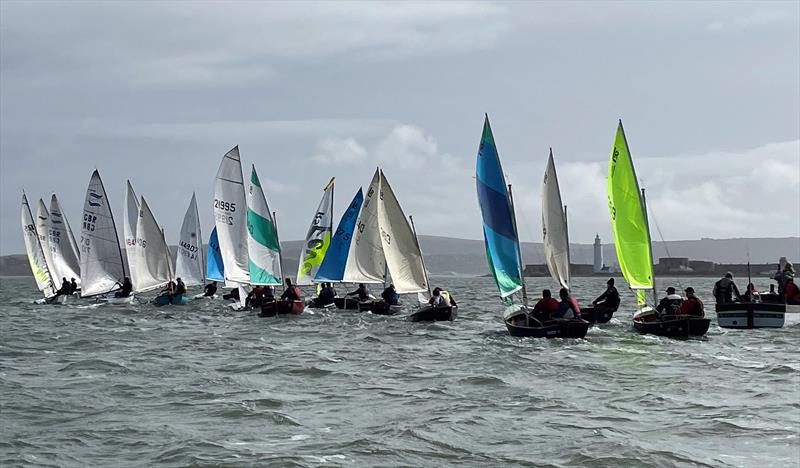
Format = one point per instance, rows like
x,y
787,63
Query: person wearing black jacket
x,y
609,300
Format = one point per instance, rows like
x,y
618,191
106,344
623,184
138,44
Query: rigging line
x,y
664,242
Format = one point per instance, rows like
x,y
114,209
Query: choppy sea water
x,y
201,385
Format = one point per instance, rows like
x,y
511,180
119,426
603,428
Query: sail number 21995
x,y
223,205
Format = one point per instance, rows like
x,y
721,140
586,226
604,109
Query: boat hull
x,y
434,314
675,326
115,300
380,308
519,323
346,303
748,315
282,307
594,315
175,299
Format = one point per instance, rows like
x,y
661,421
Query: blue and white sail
x,y
335,260
215,269
499,225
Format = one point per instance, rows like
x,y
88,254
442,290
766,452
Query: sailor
x,y
292,292
210,289
390,295
568,307
545,306
791,292
254,297
784,273
73,286
125,288
234,295
268,294
180,286
170,289
751,295
65,288
361,292
692,305
725,288
325,296
669,304
609,300
441,298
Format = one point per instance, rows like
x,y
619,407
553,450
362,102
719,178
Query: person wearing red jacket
x,y
692,305
791,292
546,306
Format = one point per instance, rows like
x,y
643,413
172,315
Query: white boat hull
x,y
757,315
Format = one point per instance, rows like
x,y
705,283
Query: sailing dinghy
x,y
63,248
629,225
189,258
315,247
36,254
102,268
503,250
152,268
332,268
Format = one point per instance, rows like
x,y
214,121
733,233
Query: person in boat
x,y
669,304
210,289
441,298
545,307
362,293
791,292
73,286
692,305
268,294
751,295
390,296
169,290
292,292
326,295
568,307
233,295
254,297
64,290
180,286
785,273
609,300
725,289
125,288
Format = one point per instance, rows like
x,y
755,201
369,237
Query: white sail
x,y
101,257
400,247
554,227
189,261
130,217
42,228
230,218
365,261
317,240
63,248
33,248
262,240
150,255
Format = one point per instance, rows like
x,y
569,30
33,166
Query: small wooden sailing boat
x,y
36,255
63,248
502,247
629,225
151,267
333,265
318,239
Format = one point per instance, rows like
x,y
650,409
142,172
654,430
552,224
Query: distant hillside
x,y
446,255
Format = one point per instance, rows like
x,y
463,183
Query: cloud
x,y
335,151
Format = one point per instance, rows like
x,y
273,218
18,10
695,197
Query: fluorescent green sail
x,y
628,217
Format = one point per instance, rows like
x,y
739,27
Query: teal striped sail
x,y
499,227
264,250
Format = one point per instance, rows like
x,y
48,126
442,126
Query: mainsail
x,y
365,260
555,239
215,269
63,248
400,246
189,260
499,230
333,264
317,240
262,240
628,218
101,257
33,248
42,228
230,217
151,254
130,217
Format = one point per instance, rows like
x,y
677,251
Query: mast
x,y
519,248
280,250
650,244
422,257
569,260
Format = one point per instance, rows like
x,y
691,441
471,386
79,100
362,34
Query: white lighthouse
x,y
598,255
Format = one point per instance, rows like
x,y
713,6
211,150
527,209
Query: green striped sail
x,y
262,238
628,217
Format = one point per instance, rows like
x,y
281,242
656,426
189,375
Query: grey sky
x,y
158,92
